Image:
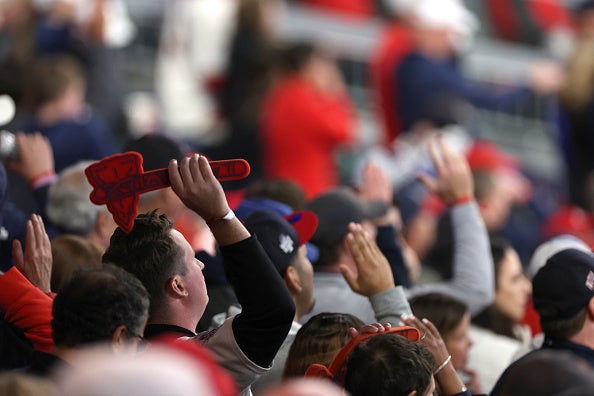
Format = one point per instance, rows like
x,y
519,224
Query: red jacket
x,y
301,128
28,308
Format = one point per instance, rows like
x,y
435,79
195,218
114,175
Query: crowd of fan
x,y
292,281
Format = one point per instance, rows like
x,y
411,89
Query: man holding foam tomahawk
x,y
164,262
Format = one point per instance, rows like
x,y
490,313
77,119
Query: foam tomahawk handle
x,y
119,179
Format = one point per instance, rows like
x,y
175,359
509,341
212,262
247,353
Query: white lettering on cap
x,y
590,280
286,244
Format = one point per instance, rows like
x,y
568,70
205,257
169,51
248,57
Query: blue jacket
x,y
421,79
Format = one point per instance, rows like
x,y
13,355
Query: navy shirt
x,y
421,79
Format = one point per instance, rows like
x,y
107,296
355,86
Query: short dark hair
x,y
389,365
548,372
95,303
563,329
328,255
51,75
444,311
148,252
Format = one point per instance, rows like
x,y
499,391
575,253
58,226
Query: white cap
x,y
445,14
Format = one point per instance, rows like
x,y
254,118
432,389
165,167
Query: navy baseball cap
x,y
281,236
564,285
250,205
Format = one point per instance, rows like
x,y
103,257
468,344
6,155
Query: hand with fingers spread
x,y
430,337
454,180
35,262
444,371
373,274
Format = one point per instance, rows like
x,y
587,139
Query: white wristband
x,y
229,216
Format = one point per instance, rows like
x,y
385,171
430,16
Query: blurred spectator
x,y
190,64
94,32
442,28
31,172
164,369
70,210
534,22
69,254
497,327
393,45
75,131
18,19
584,20
570,220
307,115
577,104
248,76
346,8
499,185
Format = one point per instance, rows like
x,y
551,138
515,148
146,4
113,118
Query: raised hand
x,y
195,184
373,274
35,157
35,262
454,179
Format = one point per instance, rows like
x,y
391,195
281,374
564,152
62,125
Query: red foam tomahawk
x,y
119,179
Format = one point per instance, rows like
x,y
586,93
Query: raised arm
x,y
376,186
473,279
25,305
267,307
373,278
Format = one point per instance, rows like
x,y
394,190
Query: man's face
x,y
193,279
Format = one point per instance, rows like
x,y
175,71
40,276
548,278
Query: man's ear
x,y
118,338
176,286
292,280
104,225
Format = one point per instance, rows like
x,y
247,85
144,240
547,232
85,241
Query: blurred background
x,y
199,70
